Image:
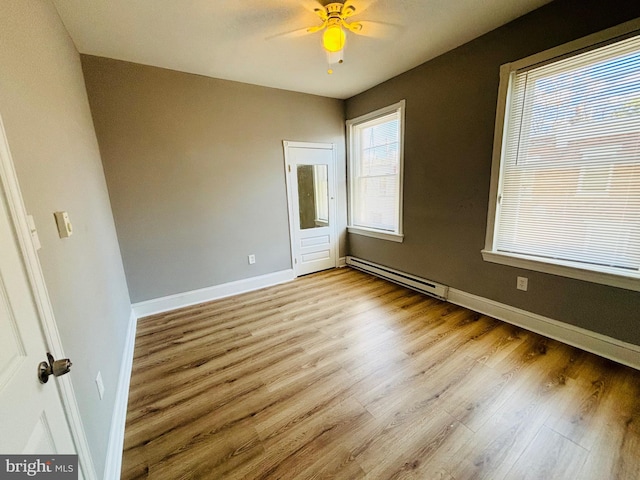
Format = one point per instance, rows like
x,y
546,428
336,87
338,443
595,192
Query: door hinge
x,y
295,260
289,168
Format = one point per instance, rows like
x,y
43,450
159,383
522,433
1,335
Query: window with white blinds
x,y
375,173
569,179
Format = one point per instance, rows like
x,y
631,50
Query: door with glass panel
x,y
311,191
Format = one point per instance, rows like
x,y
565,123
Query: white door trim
x,y
332,203
18,214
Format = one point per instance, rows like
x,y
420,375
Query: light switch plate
x,y
64,224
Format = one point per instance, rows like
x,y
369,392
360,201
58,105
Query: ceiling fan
x,y
334,22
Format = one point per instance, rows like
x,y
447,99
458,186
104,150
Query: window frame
x,y
396,235
594,274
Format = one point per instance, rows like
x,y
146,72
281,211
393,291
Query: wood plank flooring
x,y
341,375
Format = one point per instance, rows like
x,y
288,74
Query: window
x,y
566,176
375,149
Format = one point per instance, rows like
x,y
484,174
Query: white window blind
x,y
569,186
375,170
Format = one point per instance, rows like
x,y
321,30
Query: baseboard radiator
x,y
406,280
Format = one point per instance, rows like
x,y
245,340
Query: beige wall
x,y
450,117
196,178
43,104
195,170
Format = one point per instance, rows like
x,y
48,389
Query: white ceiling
x,y
262,41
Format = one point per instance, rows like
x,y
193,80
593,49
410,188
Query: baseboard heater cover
x,y
406,280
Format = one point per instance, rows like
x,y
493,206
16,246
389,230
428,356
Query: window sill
x,y
368,232
602,275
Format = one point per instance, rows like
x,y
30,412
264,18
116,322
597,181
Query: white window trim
x,y
381,234
595,274
396,236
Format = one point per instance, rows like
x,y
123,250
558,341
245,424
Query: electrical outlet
x,y
522,283
252,259
100,385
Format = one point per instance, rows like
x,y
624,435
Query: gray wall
x,y
450,115
44,107
195,170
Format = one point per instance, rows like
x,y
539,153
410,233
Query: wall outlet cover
x,y
522,283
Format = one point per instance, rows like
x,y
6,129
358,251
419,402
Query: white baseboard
x,y
342,262
611,348
602,345
118,419
172,302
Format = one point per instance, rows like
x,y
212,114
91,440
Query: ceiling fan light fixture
x,y
333,38
334,24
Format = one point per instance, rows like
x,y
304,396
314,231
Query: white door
x,y
32,418
311,189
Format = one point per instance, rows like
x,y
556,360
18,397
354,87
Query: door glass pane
x,y
313,196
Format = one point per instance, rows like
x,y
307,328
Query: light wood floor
x,y
343,375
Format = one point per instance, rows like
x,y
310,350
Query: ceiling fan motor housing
x,y
339,10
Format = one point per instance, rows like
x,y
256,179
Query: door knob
x,y
54,367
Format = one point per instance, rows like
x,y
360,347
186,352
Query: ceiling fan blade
x,y
312,6
375,29
316,28
354,27
290,34
348,10
322,13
